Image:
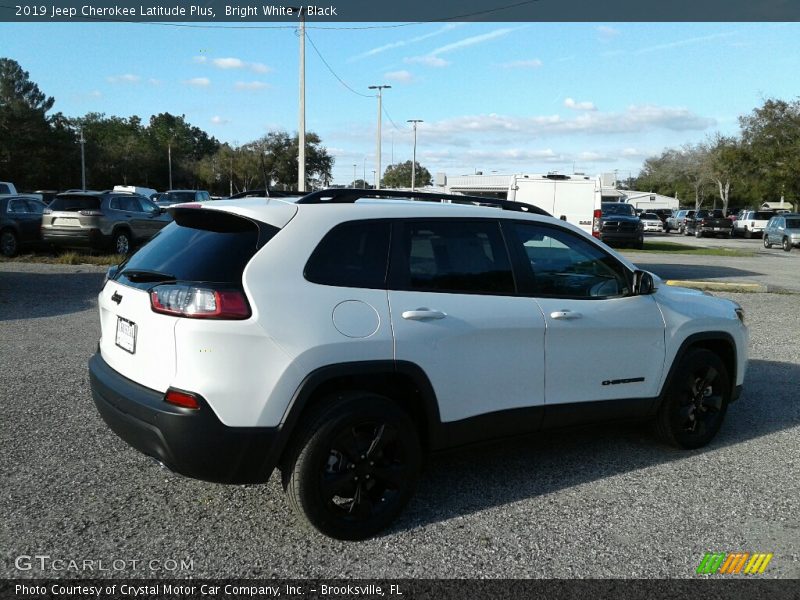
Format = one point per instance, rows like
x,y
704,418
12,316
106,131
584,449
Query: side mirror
x,y
643,283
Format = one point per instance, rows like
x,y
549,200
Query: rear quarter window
x,y
353,254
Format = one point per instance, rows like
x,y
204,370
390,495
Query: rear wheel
x,y
787,245
9,244
696,401
356,466
747,233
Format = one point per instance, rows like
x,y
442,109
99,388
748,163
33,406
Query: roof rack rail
x,y
351,195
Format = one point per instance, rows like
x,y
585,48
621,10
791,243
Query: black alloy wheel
x,y
695,405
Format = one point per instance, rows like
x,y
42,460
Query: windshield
x,y
618,208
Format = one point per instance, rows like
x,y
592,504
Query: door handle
x,y
565,315
423,314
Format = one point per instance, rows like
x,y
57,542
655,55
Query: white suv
x,y
340,341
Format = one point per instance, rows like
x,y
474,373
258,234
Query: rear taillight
x,y
596,222
91,213
199,302
183,399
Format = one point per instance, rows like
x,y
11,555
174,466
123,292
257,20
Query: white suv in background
x,y
341,336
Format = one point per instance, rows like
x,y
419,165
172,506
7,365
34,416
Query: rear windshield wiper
x,y
144,275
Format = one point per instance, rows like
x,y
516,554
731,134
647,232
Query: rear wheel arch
x,y
403,383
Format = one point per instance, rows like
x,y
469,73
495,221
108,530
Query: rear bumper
x,y
74,237
194,443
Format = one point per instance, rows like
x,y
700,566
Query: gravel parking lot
x,y
599,502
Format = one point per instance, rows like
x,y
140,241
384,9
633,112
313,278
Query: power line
x,y
322,58
390,120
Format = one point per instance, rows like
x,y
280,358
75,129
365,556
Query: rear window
x,y
179,197
793,223
763,216
201,247
75,203
650,217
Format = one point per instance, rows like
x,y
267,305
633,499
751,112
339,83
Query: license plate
x,y
126,335
67,222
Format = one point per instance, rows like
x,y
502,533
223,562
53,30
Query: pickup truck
x,y
678,220
751,223
712,222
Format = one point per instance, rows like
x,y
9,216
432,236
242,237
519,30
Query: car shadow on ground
x,y
462,482
26,295
667,271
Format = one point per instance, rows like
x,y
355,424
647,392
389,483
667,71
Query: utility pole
x,y
301,128
380,89
414,160
364,178
231,179
354,174
169,158
83,162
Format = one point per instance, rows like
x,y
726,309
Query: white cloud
x,y
570,103
428,61
432,59
259,68
533,63
200,59
217,120
127,78
685,42
401,43
198,82
605,33
228,63
399,76
251,85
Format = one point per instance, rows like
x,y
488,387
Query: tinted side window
x,y
17,206
467,257
565,265
353,254
4,189
35,207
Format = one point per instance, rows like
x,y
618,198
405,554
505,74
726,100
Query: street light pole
x,y
169,158
364,177
83,162
414,160
301,128
354,174
380,89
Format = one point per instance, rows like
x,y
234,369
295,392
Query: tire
x,y
732,233
689,417
681,229
786,245
748,235
767,243
9,243
698,234
322,470
639,245
121,242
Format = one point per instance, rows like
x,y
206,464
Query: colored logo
x,y
722,563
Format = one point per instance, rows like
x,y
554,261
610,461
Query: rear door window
x,y
454,256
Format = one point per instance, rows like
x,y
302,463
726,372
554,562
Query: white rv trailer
x,y
572,198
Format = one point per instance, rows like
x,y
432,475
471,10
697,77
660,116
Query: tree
x,y
724,161
682,171
280,151
361,185
771,136
399,175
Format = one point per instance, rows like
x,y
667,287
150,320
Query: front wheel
x,y
121,242
787,245
698,234
767,243
355,468
696,401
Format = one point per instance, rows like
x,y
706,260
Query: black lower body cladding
x,y
194,443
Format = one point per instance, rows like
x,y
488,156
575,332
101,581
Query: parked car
x,y
6,187
651,222
751,223
263,193
620,226
707,222
20,221
252,335
110,220
783,229
171,197
663,214
677,222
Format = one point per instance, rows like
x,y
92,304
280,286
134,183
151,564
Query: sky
x,y
493,97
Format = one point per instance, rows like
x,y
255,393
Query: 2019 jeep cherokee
x,y
341,340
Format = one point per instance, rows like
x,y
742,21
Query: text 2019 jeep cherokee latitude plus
x,y
340,341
